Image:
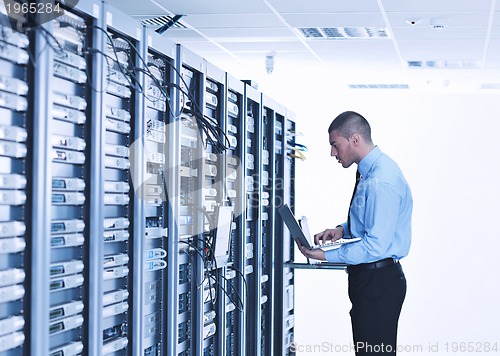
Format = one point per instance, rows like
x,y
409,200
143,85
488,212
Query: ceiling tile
x,y
427,33
366,57
204,47
233,21
323,6
494,48
492,63
192,7
436,6
442,45
366,19
445,55
280,58
250,35
264,47
451,19
495,32
137,7
180,35
351,45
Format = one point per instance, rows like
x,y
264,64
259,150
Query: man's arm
x,y
329,234
316,254
321,238
380,214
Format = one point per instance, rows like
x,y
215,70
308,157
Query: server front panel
x,y
14,182
253,224
71,180
237,292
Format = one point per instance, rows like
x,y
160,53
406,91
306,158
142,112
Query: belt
x,y
373,265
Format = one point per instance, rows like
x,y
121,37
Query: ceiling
x,y
373,43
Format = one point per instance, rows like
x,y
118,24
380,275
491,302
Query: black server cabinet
x,y
214,197
70,141
285,156
270,181
63,100
193,288
120,124
237,293
253,218
122,254
159,69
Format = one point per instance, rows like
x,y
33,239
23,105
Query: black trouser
x,y
377,296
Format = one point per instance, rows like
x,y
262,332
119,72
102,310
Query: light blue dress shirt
x,y
380,213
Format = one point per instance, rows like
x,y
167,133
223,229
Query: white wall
x,y
448,148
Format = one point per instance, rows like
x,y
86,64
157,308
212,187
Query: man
x,y
380,213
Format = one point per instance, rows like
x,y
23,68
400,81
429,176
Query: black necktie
x,y
358,177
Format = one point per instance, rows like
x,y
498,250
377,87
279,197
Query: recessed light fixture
x,y
379,86
446,64
342,33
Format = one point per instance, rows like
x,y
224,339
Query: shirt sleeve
x,y
344,226
378,220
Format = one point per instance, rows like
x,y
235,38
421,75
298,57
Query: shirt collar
x,y
367,162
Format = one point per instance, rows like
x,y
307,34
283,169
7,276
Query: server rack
x,y
253,149
122,257
235,310
159,69
285,132
16,140
63,141
191,218
179,271
111,196
69,130
215,197
270,182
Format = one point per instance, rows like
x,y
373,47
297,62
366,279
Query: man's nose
x,y
333,152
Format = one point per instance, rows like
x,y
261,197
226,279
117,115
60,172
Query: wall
x,y
447,146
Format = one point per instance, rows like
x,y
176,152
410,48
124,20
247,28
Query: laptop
x,y
300,232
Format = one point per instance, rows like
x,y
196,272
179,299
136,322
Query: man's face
x,y
341,149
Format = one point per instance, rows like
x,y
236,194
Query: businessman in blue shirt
x,y
379,213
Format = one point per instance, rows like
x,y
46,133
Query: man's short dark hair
x,y
349,123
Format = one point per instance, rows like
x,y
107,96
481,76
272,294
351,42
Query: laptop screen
x,y
291,222
305,229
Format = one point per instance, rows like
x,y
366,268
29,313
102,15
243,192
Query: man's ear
x,y
355,138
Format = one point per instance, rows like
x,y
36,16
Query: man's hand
x,y
316,254
329,234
